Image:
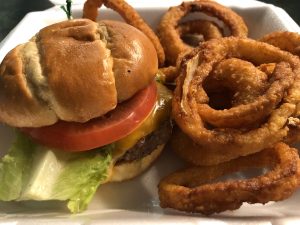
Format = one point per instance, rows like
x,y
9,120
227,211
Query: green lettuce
x,y
33,172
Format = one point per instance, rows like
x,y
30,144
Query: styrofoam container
x,y
136,201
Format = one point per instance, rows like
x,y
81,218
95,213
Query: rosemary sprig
x,y
67,9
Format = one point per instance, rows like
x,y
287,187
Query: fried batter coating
x,y
288,41
195,189
170,24
241,129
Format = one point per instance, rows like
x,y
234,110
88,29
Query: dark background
x,y
12,11
292,7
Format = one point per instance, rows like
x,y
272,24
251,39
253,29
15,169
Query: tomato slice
x,y
73,136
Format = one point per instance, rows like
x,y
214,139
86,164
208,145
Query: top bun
x,y
74,71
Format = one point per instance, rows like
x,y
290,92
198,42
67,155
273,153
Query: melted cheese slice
x,y
160,112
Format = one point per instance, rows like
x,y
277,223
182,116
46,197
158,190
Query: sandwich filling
x,y
147,144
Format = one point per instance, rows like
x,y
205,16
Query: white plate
x,y
136,201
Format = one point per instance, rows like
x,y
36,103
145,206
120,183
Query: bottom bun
x,y
130,170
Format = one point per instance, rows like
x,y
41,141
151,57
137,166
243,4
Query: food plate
x,y
136,201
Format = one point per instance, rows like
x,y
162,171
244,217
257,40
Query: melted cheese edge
x,y
160,113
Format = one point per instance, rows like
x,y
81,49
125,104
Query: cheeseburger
x,y
86,108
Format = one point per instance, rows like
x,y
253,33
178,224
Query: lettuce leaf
x,y
33,172
15,168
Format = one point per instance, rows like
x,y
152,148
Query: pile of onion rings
x,y
128,13
235,100
241,128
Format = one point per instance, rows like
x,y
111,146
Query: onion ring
x,y
224,131
191,189
207,29
287,41
170,37
90,11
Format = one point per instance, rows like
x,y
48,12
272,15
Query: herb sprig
x,y
67,9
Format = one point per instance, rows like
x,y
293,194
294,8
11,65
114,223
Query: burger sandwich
x,y
86,109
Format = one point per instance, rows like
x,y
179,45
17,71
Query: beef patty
x,y
147,144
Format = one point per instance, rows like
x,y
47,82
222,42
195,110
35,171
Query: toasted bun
x,y
130,170
74,71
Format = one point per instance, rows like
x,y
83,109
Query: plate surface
x,y
136,201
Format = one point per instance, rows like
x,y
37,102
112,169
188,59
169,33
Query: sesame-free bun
x,y
74,71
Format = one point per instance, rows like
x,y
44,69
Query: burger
x,y
86,109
